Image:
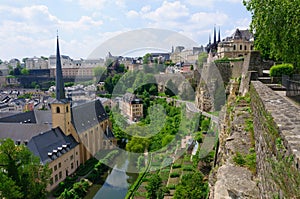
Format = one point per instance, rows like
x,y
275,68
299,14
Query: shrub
x,y
187,168
175,166
281,69
171,186
174,175
239,160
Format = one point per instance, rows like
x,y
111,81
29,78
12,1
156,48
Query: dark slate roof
x,y
87,115
21,132
51,144
26,117
33,117
242,34
43,117
6,114
130,98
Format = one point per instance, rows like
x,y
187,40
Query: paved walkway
x,y
290,100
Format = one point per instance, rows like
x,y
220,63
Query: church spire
x,y
215,35
60,89
219,36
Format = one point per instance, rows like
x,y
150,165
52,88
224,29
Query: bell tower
x,y
61,108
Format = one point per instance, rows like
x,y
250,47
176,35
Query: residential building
x,y
36,63
59,151
131,107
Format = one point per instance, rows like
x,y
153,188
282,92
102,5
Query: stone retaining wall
x,y
277,140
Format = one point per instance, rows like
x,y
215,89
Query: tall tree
x,y
191,186
22,170
154,186
276,27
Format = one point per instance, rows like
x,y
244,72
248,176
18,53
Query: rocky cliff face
x,y
235,173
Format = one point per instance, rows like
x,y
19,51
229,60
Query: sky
x,y
29,28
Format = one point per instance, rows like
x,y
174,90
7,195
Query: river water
x,y
118,181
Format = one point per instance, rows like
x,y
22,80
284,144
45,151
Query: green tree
x,y
276,26
98,71
8,187
205,124
192,186
25,71
146,58
23,169
154,186
110,83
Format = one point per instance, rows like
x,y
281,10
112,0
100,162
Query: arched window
x,y
67,109
245,47
251,47
57,110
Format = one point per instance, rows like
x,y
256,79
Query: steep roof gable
x,y
51,144
87,115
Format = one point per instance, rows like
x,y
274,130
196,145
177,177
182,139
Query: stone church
x,y
63,137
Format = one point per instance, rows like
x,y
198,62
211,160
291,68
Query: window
x,y
251,47
60,175
241,47
234,47
56,178
55,167
72,165
59,165
57,110
67,109
245,47
71,157
76,153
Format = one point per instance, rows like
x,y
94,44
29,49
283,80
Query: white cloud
x,y
203,19
93,4
209,3
168,11
146,9
100,4
201,3
32,29
132,14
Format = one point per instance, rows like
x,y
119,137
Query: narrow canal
x,y
118,180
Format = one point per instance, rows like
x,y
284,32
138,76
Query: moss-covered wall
x,y
277,142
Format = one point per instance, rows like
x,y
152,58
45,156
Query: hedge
x,y
281,69
174,175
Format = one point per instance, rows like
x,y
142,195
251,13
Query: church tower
x,y
219,36
215,36
61,108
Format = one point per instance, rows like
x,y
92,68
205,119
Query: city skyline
x,y
29,28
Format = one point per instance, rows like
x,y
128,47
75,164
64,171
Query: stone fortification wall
x,y
277,142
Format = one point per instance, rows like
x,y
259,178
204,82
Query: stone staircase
x,y
274,84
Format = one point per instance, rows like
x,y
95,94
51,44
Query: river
x,y
118,181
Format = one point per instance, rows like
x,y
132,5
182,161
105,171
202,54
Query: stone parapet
x,y
277,137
